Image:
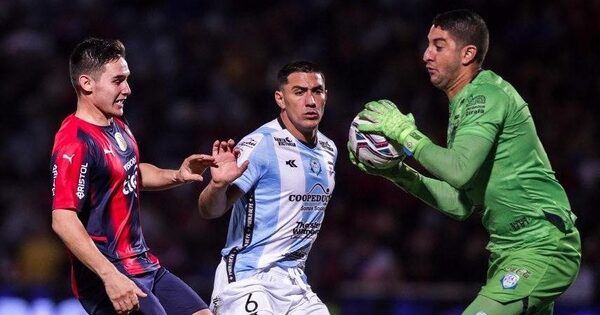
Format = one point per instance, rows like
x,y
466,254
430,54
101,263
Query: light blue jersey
x,y
287,187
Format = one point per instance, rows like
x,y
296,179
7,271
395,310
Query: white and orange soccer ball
x,y
371,149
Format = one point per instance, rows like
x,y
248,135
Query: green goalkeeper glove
x,y
389,122
388,173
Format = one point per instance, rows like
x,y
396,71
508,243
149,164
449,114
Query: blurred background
x,y
204,70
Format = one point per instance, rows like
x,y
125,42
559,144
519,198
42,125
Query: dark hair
x,y
297,66
468,28
90,56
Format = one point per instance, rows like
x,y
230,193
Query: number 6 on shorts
x,y
251,306
257,303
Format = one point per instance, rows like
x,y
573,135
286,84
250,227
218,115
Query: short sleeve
x,y
70,170
254,149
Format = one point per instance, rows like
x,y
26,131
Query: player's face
x,y
302,101
111,88
442,58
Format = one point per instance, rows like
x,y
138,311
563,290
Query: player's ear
x,y
279,99
86,83
468,54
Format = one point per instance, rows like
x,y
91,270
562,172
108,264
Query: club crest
x,y
510,280
315,166
121,141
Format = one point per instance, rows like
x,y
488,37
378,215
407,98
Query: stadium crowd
x,y
204,70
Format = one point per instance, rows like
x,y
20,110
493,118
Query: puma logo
x,y
68,158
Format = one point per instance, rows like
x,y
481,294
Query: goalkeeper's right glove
x,y
388,121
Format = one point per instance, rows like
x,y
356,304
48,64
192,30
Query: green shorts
x,y
543,271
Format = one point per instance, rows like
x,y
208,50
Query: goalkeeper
x,y
495,164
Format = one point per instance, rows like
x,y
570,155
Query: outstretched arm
x,y
436,193
455,166
191,169
123,292
219,195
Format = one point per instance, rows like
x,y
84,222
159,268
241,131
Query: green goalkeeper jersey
x,y
495,163
515,185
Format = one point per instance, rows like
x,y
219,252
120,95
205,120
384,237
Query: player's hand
x,y
388,121
123,293
386,172
193,166
226,170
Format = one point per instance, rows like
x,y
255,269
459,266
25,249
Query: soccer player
x,y
96,180
279,193
494,163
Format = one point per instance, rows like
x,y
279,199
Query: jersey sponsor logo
x,y
130,183
54,175
326,146
520,271
315,200
303,229
291,163
475,100
297,254
216,303
230,263
310,197
68,157
315,166
248,143
248,229
519,223
475,105
478,110
81,182
130,163
510,280
330,168
121,141
285,142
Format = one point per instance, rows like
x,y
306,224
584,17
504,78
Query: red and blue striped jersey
x,y
95,172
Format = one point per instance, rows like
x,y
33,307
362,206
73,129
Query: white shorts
x,y
270,291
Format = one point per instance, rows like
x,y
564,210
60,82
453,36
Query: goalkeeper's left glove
x,y
388,121
389,173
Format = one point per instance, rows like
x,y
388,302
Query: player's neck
x,y
464,77
87,112
308,137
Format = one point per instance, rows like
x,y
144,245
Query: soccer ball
x,y
371,149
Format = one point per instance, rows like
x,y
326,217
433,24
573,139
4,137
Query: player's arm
x,y
436,193
456,165
191,169
217,198
122,292
219,195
